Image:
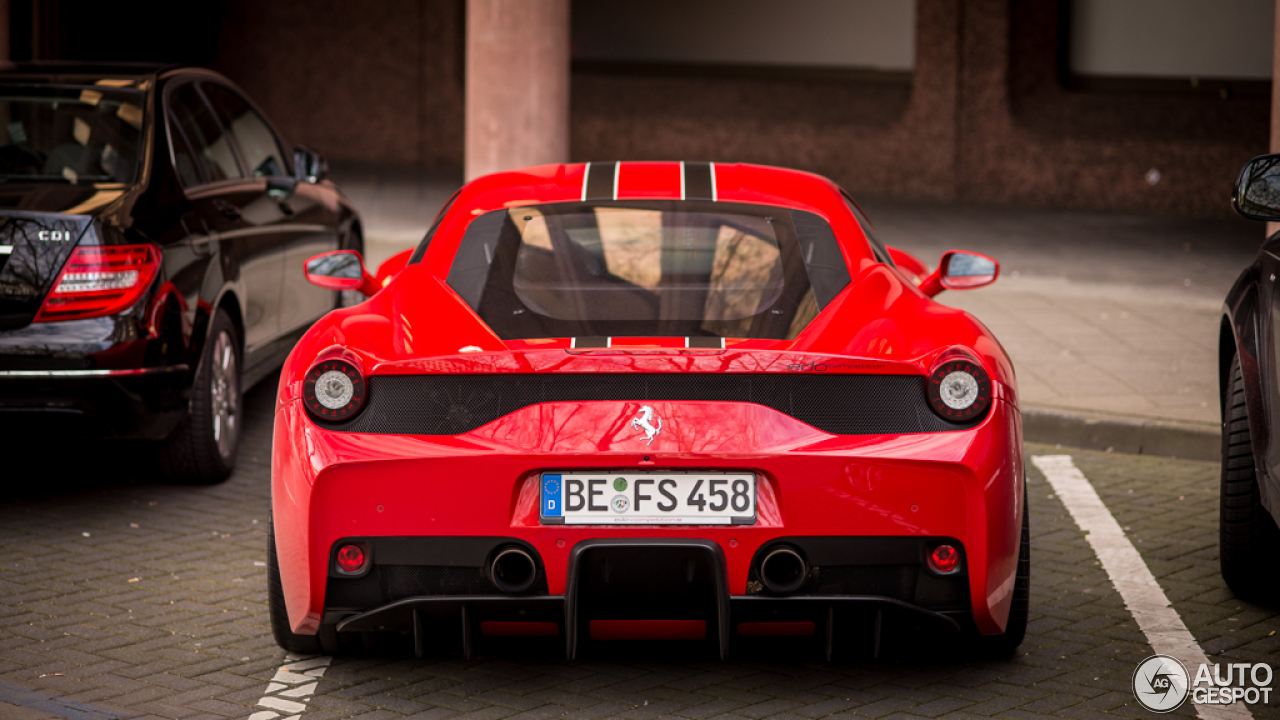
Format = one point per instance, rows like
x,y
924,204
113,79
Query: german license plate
x,y
628,498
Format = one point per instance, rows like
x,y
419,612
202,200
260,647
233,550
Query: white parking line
x,y
1129,574
293,683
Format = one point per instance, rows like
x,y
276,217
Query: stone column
x,y
517,84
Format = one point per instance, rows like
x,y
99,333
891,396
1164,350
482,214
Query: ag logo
x,y
1160,683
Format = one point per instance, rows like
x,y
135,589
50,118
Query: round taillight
x,y
959,389
944,559
350,558
334,390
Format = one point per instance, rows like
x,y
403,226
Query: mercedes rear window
x,y
648,268
70,134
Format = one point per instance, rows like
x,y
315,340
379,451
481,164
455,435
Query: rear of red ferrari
x,y
647,399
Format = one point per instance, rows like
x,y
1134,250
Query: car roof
x,y
647,180
56,71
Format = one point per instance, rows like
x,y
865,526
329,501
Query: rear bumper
x,y
424,616
621,581
965,486
141,403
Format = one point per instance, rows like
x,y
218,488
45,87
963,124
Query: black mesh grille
x,y
837,404
388,583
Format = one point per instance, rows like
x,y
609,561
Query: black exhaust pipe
x,y
783,570
513,570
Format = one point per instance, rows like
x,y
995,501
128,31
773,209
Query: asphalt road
x,y
124,598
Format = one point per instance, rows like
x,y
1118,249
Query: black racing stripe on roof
x,y
697,181
600,181
698,341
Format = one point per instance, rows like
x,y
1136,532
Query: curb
x,y
1137,436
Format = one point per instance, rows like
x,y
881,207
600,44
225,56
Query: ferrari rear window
x,y
648,268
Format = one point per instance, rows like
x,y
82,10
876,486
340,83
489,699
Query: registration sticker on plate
x,y
657,498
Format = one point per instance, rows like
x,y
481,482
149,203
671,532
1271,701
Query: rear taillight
x,y
959,387
333,390
100,280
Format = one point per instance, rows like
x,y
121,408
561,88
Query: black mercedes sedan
x,y
153,229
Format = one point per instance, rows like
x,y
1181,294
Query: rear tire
x,y
202,450
1247,532
1006,644
284,636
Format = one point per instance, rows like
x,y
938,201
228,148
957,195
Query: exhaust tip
x,y
513,570
783,570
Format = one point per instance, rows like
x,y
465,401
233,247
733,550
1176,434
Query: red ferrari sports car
x,y
648,399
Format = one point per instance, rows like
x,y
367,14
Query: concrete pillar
x,y
517,84
1275,98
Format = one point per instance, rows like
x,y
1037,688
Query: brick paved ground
x,y
160,611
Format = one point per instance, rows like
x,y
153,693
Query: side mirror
x,y
309,165
340,270
961,270
1257,191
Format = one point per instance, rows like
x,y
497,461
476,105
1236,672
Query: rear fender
x,y
226,299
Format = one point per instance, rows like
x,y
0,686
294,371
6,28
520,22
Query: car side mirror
x,y
1257,191
340,270
280,189
309,165
961,270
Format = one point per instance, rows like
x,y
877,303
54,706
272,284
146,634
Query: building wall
x,y
1178,38
986,118
1029,139
985,114
371,81
825,33
884,135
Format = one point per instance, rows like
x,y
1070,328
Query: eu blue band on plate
x,y
551,496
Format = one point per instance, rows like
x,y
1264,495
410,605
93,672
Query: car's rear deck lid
x,y
33,249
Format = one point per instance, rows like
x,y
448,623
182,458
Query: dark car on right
x,y
1249,375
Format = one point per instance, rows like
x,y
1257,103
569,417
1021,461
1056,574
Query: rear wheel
x,y
203,448
1015,631
1247,532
